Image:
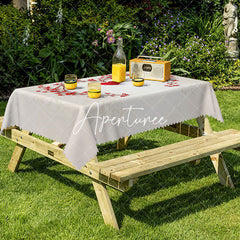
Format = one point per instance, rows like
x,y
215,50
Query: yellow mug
x,y
138,82
94,93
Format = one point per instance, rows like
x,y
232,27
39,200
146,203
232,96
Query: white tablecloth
x,y
71,117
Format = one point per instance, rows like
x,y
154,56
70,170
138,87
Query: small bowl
x,y
138,82
70,84
94,93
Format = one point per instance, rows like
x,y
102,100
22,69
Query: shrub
x,y
147,8
16,57
198,58
227,77
204,7
57,39
195,47
172,26
83,12
204,25
89,53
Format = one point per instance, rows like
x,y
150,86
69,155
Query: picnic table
x,y
77,124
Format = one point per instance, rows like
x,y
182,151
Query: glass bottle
x,y
119,63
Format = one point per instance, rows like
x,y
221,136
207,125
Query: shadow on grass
x,y
158,212
184,204
178,207
43,164
140,144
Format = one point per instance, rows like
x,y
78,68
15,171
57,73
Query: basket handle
x,y
149,57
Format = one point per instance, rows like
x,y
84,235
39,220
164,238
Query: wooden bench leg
x,y
17,157
104,201
221,170
217,159
105,204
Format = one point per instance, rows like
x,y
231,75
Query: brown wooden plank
x,y
141,161
187,130
124,186
136,159
184,129
39,146
154,151
58,144
175,160
163,152
55,153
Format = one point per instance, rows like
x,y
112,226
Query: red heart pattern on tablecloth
x,y
60,90
172,83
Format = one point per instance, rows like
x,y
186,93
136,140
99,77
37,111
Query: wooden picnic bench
x,y
122,172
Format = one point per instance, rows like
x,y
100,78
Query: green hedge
x,y
59,39
195,45
71,37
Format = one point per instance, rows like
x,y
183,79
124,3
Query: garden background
x,y
46,200
71,37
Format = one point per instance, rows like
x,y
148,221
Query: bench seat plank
x,y
139,164
147,153
164,152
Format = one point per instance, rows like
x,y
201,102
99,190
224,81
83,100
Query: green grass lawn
x,y
46,200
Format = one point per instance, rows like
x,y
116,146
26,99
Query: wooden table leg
x,y
123,142
217,159
104,202
17,156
